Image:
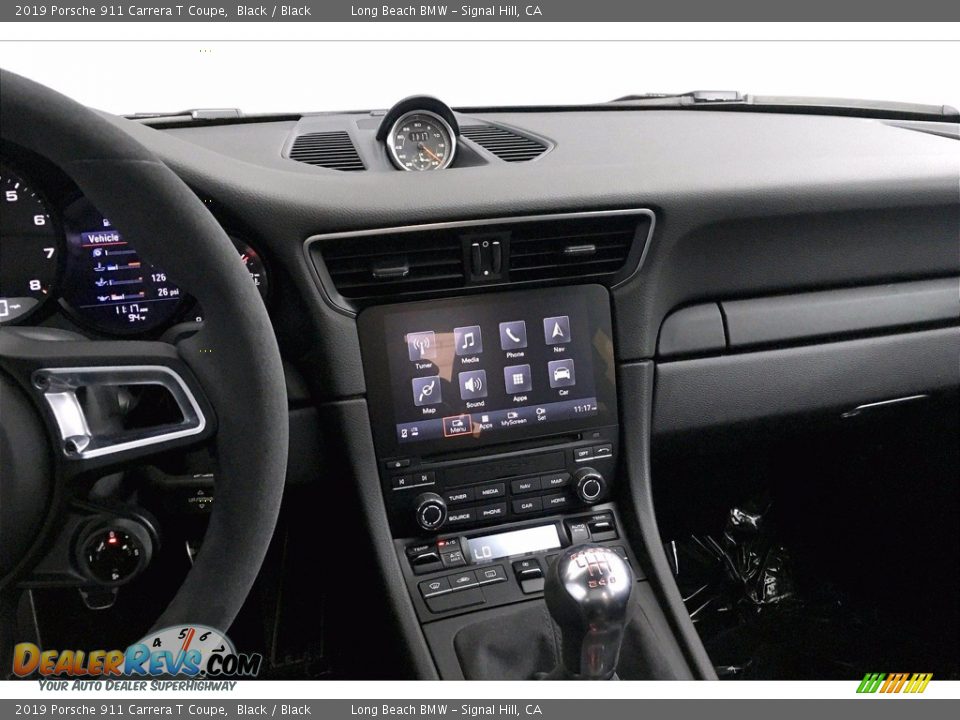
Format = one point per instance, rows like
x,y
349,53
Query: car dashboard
x,y
492,318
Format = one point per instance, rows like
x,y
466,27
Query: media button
x,y
517,379
486,492
426,390
562,373
457,425
513,335
468,340
473,384
421,345
556,330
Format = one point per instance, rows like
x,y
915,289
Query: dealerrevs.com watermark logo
x,y
190,651
889,683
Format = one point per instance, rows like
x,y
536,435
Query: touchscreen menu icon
x,y
556,330
562,373
473,384
517,378
468,340
426,391
513,335
421,345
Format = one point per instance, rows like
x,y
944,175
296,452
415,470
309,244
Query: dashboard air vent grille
x,y
505,144
575,248
334,150
365,268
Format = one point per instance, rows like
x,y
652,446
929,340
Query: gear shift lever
x,y
587,590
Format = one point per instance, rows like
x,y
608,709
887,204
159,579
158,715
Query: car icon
x,y
561,373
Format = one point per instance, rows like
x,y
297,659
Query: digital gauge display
x,y
107,284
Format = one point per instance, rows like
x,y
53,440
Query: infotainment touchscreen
x,y
453,374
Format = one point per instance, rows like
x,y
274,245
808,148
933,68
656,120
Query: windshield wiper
x,y
733,100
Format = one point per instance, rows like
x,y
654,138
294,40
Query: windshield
x,y
274,77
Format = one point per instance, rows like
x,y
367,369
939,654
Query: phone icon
x,y
513,335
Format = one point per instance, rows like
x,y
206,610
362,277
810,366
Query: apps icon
x,y
421,345
473,384
562,373
468,340
556,330
517,378
513,335
426,391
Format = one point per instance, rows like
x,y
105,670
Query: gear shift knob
x,y
587,591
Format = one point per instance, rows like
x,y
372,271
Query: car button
x,y
528,505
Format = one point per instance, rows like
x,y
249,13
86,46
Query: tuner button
x,y
431,511
589,485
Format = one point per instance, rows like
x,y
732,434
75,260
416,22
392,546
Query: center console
x,y
497,443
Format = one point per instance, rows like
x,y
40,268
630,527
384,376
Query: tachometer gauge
x,y
421,140
30,243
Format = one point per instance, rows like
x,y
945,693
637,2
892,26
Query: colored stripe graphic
x,y
891,683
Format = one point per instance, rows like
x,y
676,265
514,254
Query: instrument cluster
x,y
59,254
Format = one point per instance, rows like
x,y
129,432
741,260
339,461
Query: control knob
x,y
589,485
115,552
431,511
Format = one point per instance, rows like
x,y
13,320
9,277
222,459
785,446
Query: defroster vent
x,y
334,150
505,144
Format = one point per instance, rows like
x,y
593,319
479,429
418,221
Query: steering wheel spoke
x,y
91,393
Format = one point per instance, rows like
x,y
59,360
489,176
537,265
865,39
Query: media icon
x,y
517,378
513,335
556,330
426,391
421,345
473,384
468,340
562,373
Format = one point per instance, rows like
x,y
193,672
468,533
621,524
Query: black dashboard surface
x,y
746,205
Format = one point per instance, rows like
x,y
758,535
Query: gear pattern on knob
x,y
587,592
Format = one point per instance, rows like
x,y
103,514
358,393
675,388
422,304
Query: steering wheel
x,y
227,378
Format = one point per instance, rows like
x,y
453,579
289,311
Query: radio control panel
x,y
426,497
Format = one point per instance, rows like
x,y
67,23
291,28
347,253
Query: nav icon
x,y
556,330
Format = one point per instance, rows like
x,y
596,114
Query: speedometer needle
x,y
424,148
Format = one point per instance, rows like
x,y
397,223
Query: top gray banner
x,y
525,11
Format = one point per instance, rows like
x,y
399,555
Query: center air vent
x,y
505,144
434,260
334,150
369,267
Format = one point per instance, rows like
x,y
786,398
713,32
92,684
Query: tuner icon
x,y
421,345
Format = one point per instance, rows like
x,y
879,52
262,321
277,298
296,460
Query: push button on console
x,y
462,495
525,485
491,512
488,492
554,480
529,505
